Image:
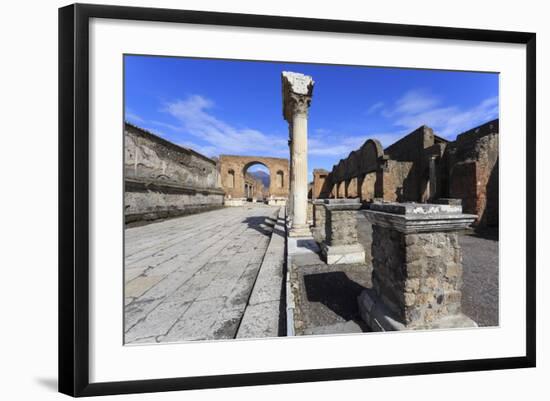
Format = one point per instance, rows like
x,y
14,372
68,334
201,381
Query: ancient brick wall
x,y
473,172
423,167
320,184
398,173
164,180
407,148
399,182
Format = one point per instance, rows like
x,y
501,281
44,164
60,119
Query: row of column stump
x,y
416,259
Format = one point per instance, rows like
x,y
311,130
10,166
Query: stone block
x,y
341,243
340,254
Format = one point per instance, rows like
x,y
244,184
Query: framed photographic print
x,y
251,199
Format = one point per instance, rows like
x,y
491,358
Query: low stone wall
x,y
147,202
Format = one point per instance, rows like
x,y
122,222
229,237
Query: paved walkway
x,y
190,278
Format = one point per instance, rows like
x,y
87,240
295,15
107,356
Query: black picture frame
x,y
74,198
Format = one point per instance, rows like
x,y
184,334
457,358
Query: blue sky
x,y
235,107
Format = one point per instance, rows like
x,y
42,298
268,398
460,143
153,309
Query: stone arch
x,y
278,167
252,186
369,154
351,174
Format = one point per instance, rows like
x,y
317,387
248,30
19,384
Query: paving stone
x,y
190,278
260,320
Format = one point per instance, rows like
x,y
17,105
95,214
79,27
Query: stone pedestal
x,y
417,267
297,92
341,243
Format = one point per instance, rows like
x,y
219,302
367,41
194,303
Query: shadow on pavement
x,y
336,291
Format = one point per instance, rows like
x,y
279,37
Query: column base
x,y
343,254
377,316
301,230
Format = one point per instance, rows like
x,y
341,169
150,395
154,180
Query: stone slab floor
x,y
190,278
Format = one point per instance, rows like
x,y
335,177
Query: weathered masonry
x,y
236,183
162,179
422,167
417,267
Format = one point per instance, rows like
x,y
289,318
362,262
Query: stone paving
x,y
480,298
190,278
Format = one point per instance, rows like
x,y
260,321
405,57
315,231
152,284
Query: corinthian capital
x,y
297,93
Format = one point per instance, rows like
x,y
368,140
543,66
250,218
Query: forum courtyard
x,y
402,237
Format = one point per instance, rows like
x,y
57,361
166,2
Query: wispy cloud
x,y
195,117
132,117
340,145
421,107
333,146
416,101
375,107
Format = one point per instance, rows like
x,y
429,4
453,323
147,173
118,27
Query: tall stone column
x,y
297,92
291,175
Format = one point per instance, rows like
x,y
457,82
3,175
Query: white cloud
x,y
416,101
375,107
419,107
339,146
196,118
333,146
451,121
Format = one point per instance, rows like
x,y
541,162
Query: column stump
x,y
417,267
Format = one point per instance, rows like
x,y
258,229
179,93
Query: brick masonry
x,y
422,167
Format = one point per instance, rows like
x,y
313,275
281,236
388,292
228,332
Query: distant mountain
x,y
262,176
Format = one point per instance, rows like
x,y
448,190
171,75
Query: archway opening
x,y
257,182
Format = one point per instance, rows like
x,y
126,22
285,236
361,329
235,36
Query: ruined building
x,y
162,179
254,188
421,167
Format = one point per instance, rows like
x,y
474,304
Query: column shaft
x,y
299,157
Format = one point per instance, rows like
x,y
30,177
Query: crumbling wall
x,y
399,182
165,180
422,167
368,186
473,172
